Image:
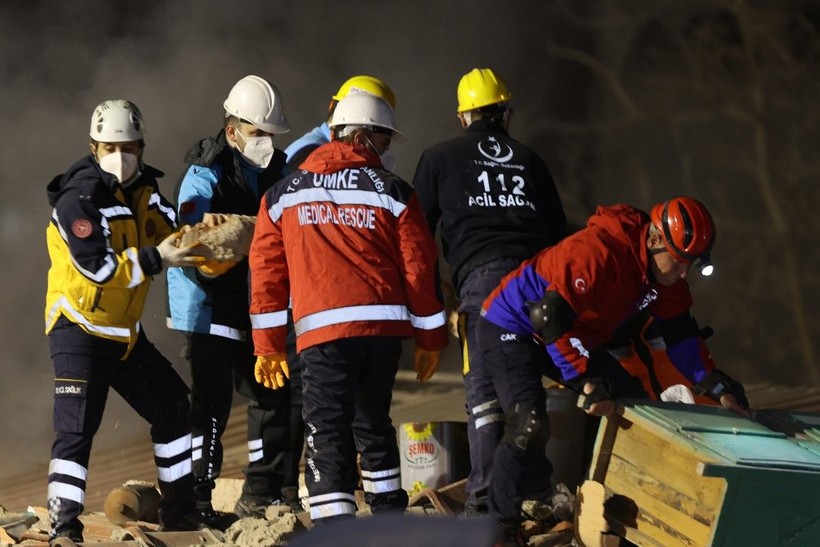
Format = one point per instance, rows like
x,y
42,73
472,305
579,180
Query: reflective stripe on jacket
x,y
102,242
347,241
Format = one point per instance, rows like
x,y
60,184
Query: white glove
x,y
173,255
678,393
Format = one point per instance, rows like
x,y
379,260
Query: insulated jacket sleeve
x,y
194,197
424,184
570,352
418,255
269,282
579,274
195,193
684,345
83,227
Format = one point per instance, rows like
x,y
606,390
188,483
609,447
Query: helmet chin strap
x,y
372,146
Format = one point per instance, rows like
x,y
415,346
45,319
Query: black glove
x,y
602,391
718,383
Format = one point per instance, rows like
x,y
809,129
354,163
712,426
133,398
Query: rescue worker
x,y
496,205
301,148
111,230
571,298
346,240
229,173
296,153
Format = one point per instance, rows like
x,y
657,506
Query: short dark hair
x,y
495,112
230,119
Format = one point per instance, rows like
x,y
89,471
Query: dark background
x,y
627,101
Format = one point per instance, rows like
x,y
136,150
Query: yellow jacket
x,y
102,242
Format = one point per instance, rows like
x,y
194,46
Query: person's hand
x,y
214,268
271,370
452,324
426,363
597,401
172,254
730,401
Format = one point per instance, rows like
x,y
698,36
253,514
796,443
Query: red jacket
x,y
602,271
346,241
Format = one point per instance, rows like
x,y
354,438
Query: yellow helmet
x,y
481,87
366,84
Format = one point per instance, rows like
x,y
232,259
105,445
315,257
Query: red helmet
x,y
687,227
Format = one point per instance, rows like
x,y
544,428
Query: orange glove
x,y
214,268
271,370
426,363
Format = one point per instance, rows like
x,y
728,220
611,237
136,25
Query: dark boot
x,y
388,501
203,489
252,506
290,496
216,519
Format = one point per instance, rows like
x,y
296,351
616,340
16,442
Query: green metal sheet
x,y
771,466
737,439
758,451
701,418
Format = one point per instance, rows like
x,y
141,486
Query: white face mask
x,y
120,164
388,160
258,150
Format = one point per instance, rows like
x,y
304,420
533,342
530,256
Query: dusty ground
x,y
543,527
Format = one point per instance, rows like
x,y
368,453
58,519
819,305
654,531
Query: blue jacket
x,y
218,180
301,148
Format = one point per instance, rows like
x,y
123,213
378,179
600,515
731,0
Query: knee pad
x,y
527,426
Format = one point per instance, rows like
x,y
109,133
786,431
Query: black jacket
x,y
494,197
215,182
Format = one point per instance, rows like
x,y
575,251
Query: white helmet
x,y
363,109
254,100
116,121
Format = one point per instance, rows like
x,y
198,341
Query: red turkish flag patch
x,y
187,208
580,285
81,228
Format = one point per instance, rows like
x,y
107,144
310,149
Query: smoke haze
x,y
663,131
176,61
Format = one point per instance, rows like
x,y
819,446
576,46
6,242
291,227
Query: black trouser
x,y
517,364
217,365
150,385
485,419
347,389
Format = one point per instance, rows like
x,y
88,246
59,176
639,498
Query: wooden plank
x,y
663,492
591,527
667,462
602,514
603,447
654,517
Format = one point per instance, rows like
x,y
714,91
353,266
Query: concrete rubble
x,y
30,528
